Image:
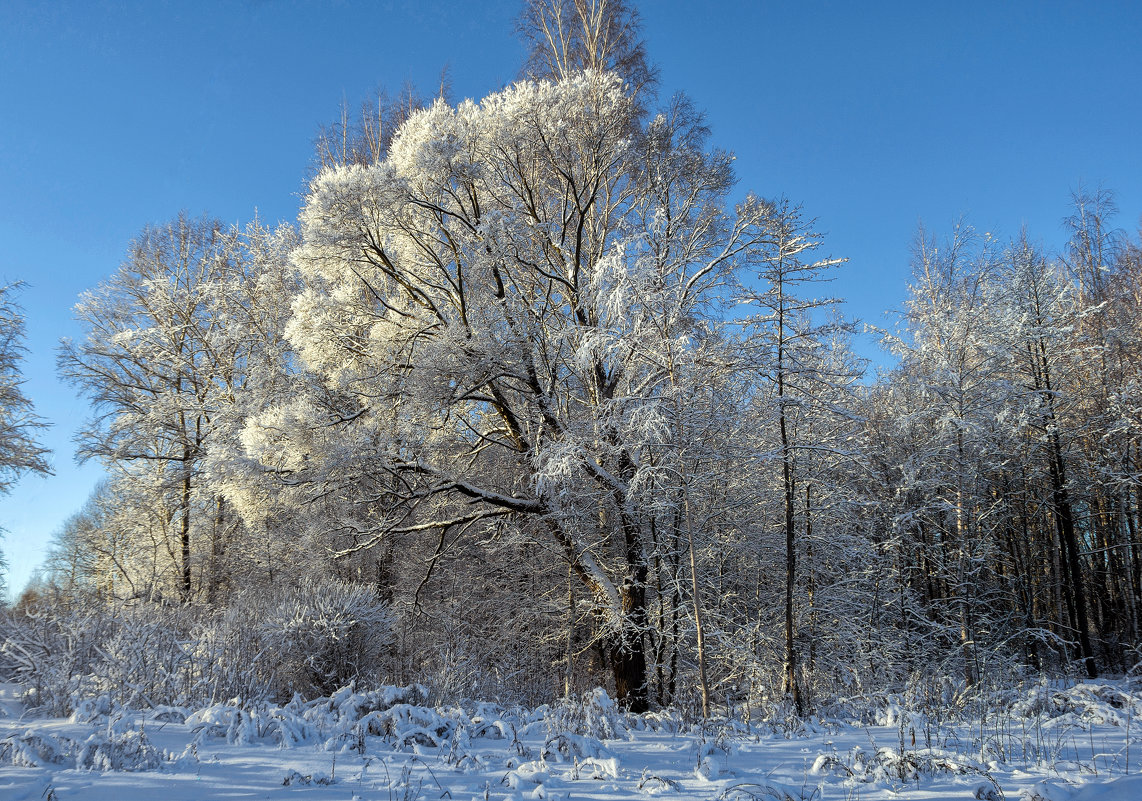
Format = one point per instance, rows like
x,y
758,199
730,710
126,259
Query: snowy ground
x,y
1073,745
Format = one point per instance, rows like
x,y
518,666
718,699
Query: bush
x,y
53,657
317,638
325,635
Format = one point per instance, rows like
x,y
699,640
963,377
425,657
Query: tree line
x,y
525,372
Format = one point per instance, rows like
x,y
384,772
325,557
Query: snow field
x,y
1040,744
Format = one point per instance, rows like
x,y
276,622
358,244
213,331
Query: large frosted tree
x,y
500,308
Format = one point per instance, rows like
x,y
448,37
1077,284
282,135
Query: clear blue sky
x,y
875,116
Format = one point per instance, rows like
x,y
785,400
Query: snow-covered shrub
x,y
139,656
1083,704
409,726
115,748
324,635
119,751
143,659
231,655
88,663
296,778
527,777
712,757
33,750
594,715
54,657
313,639
653,784
284,727
349,706
899,765
333,722
670,721
568,747
92,710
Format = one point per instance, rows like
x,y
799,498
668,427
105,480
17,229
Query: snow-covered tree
x,y
566,37
173,342
787,338
525,405
20,452
948,357
1044,313
490,309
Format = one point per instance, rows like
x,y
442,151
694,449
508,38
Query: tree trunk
x,y
628,667
697,614
213,579
811,589
1064,520
789,679
184,533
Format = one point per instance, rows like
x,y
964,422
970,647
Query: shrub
x,y
324,635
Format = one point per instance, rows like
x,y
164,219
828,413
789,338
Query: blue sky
x,y
875,116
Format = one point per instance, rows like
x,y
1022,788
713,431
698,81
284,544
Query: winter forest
x,y
534,399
